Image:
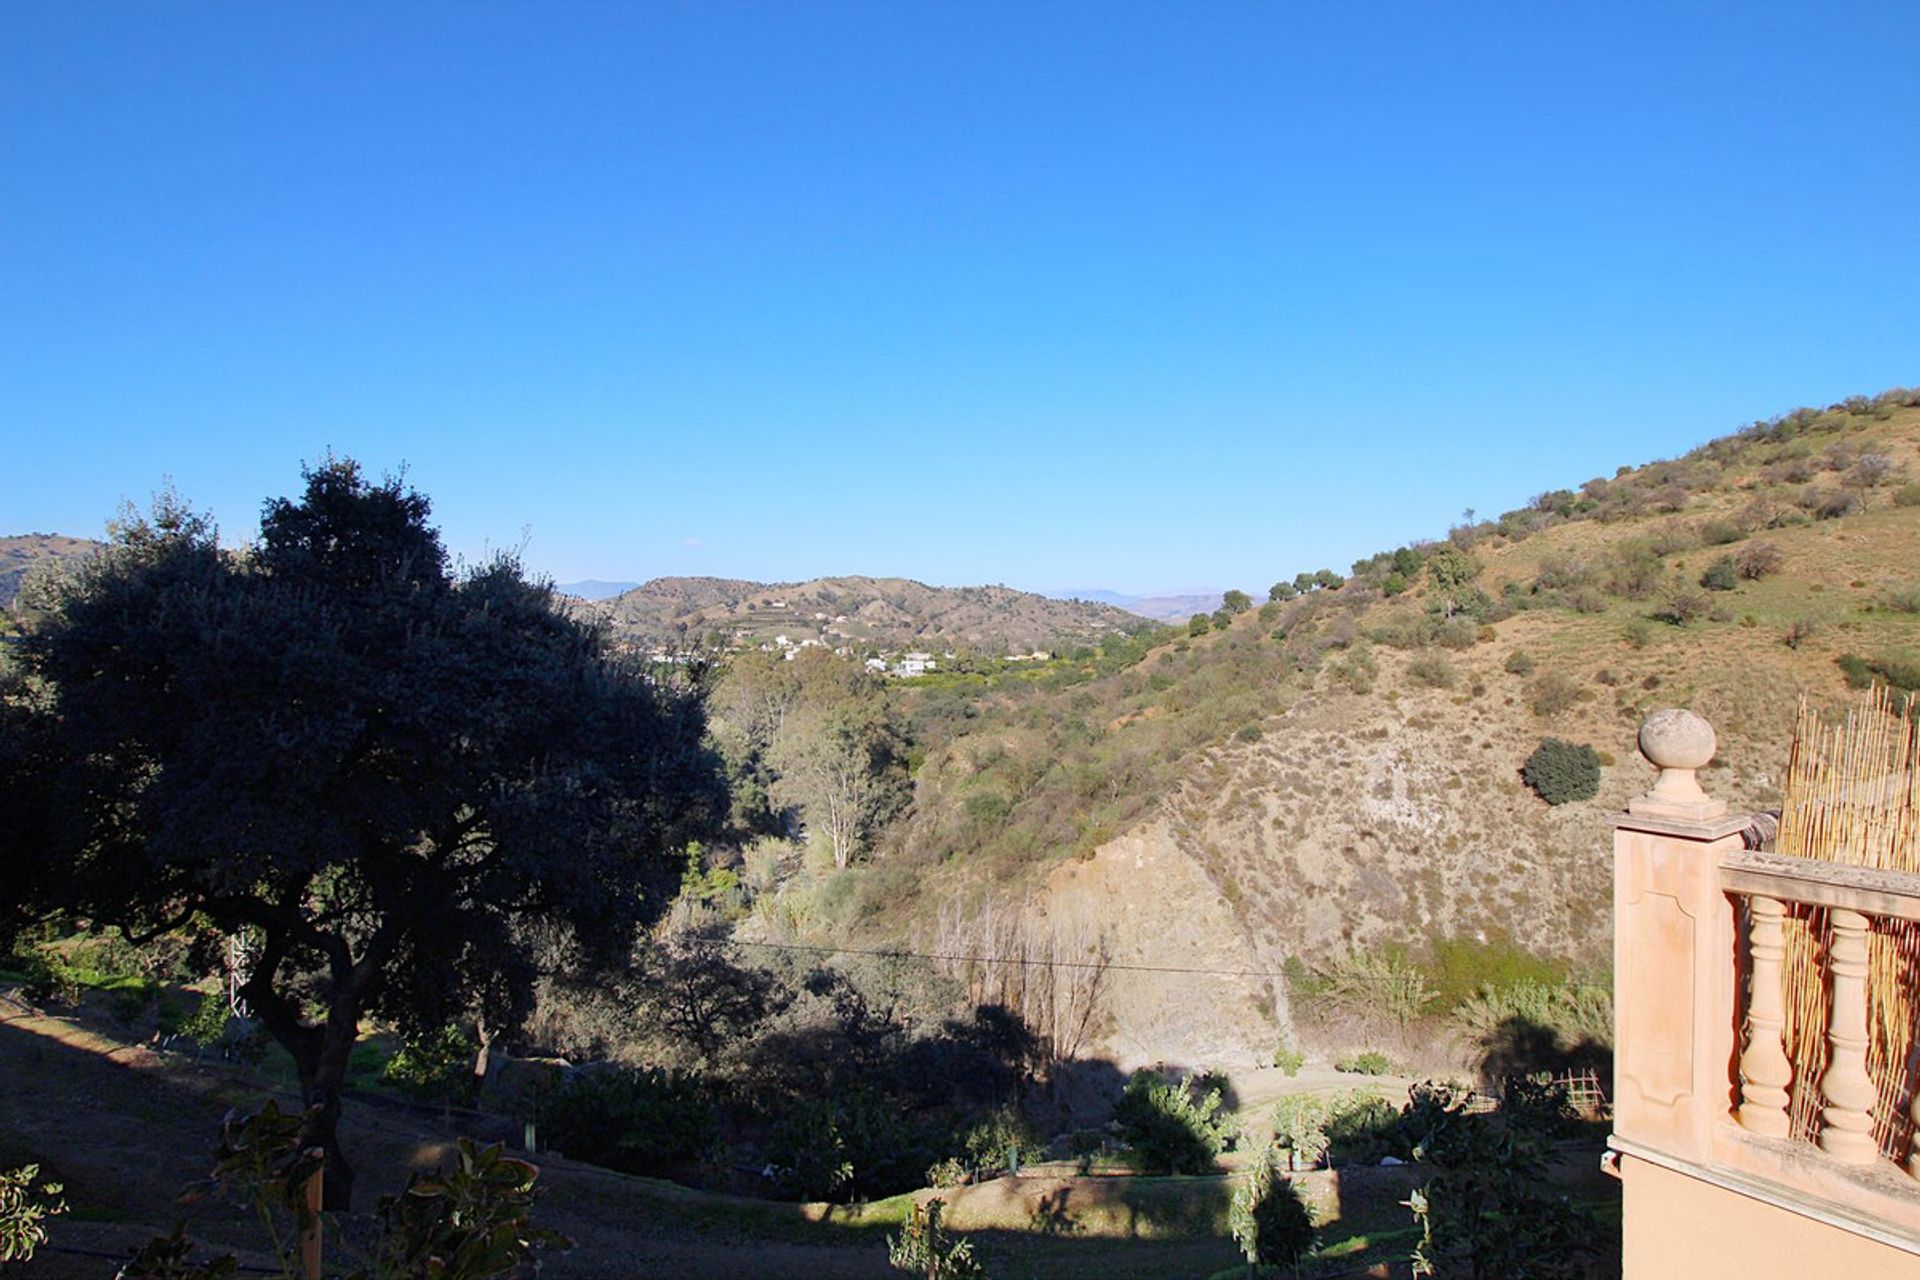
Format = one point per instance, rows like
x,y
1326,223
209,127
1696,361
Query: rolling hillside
x,y
1343,769
863,613
18,555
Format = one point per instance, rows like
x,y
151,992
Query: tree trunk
x,y
323,1074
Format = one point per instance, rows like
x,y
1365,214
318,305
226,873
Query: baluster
x,y
1846,1120
1913,1156
1765,1071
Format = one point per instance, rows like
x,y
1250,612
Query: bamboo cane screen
x,y
1852,797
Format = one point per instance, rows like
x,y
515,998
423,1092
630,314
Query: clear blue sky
x,y
1127,295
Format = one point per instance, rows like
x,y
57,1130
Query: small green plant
x,y
1268,1218
1289,1060
207,1025
923,1248
472,1221
995,1144
1368,1062
1300,1126
1562,772
24,1210
435,1067
1721,575
1907,495
1518,663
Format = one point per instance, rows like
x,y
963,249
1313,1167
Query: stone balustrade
x,y
1706,1100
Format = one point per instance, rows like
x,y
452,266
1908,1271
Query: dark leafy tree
x,y
1490,1209
1236,602
700,997
1282,591
407,783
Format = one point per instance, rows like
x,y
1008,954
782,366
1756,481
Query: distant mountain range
x,y
1171,607
860,612
21,553
594,589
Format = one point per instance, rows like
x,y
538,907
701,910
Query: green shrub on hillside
x,y
1432,671
1907,495
1899,670
1173,1126
1721,575
1518,663
1682,606
1552,692
1561,772
1368,1062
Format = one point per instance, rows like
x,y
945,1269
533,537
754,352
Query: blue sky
x,y
1135,296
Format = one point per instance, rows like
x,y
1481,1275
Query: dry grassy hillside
x,y
1369,791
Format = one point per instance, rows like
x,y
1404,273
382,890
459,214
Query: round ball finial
x,y
1679,743
1677,739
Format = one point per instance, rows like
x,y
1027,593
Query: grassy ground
x,y
126,1128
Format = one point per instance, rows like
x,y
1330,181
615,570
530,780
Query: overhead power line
x,y
891,954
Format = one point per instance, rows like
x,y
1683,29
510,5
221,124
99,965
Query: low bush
x,y
1718,533
1721,575
636,1120
1899,670
1289,1060
1518,663
1562,772
1682,606
1369,1062
1757,561
1432,671
1907,495
1551,693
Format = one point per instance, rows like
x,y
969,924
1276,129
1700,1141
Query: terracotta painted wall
x,y
1680,1228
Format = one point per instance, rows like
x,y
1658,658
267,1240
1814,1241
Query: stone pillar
x,y
1673,949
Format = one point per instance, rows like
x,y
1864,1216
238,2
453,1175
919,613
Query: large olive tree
x,y
405,782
